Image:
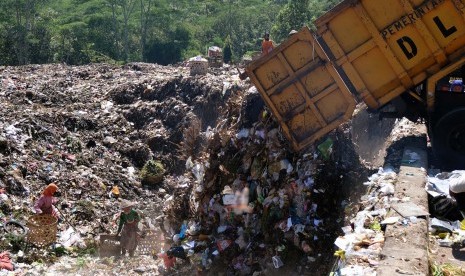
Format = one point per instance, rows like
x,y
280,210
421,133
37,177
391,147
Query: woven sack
x,y
42,230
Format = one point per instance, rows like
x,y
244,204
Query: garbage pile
x,y
254,205
91,130
201,155
360,247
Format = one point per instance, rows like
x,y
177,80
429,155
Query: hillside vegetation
x,y
158,31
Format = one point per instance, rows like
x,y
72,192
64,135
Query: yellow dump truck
x,y
408,53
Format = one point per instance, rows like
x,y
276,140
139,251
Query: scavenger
x,y
127,226
44,205
267,44
457,192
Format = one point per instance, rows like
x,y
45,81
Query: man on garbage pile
x,y
128,220
457,191
267,44
450,208
44,205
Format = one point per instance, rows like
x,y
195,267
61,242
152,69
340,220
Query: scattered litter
x,y
390,220
409,209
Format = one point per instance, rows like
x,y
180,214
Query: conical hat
x,y
126,203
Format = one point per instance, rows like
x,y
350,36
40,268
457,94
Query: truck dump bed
x,y
302,89
387,47
370,50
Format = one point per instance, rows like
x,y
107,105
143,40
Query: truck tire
x,y
449,139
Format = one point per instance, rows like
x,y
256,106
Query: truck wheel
x,y
449,139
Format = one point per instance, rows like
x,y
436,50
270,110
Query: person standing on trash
x,y
267,44
44,205
127,226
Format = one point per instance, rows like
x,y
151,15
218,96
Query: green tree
x,y
168,49
102,35
124,8
318,7
227,53
247,28
165,31
294,15
145,20
21,31
39,45
71,45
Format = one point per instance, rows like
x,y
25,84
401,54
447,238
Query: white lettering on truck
x,y
406,44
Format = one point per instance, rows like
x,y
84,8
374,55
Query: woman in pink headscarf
x,y
44,205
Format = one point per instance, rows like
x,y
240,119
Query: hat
x,y
227,190
457,184
50,189
126,203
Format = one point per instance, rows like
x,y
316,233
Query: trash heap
x,y
254,205
360,247
91,129
201,155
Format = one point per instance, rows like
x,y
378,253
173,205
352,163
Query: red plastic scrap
x,y
223,244
168,261
5,261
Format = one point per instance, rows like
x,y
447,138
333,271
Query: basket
x,y
198,67
147,245
42,230
215,62
109,246
215,51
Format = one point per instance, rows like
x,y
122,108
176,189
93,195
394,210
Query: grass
x,y
446,270
81,262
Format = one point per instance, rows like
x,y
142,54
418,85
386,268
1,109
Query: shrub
x,y
152,172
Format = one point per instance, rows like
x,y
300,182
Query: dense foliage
x,y
159,31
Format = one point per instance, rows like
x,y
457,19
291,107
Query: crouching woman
x,y
45,204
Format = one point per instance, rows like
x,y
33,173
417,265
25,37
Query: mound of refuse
x,y
203,158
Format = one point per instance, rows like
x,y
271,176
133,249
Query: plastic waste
x,y
223,244
277,262
182,233
115,191
326,148
243,133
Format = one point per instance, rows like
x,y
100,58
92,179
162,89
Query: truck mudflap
x,y
302,89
